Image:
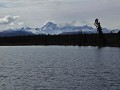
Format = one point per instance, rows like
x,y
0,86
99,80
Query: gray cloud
x,y
36,12
8,19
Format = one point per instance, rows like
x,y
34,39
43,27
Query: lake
x,y
59,68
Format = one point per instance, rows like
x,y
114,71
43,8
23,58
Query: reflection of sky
x,y
37,12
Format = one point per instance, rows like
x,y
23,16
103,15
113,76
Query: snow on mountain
x,y
53,29
32,30
14,33
105,30
21,32
115,31
49,26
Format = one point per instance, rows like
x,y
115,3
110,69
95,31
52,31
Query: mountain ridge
x,y
51,28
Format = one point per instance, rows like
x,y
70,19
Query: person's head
x,y
96,20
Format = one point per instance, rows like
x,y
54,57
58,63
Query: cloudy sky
x,y
35,13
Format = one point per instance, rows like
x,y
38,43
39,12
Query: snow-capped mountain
x,y
115,31
49,26
53,29
21,31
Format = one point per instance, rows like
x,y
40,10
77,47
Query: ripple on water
x,y
59,68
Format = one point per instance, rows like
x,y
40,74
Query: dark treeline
x,y
75,40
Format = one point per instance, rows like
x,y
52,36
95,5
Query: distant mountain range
x,y
53,29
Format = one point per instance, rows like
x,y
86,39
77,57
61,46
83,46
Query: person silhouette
x,y
102,40
98,26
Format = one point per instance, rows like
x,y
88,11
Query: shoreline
x,y
111,40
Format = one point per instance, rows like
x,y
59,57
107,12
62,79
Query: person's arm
x,y
96,24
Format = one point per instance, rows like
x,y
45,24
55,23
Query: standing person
x,y
98,26
102,40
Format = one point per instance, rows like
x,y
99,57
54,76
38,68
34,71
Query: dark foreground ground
x,y
73,40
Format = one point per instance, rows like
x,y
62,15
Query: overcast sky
x,y
35,13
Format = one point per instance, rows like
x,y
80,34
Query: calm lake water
x,y
59,68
